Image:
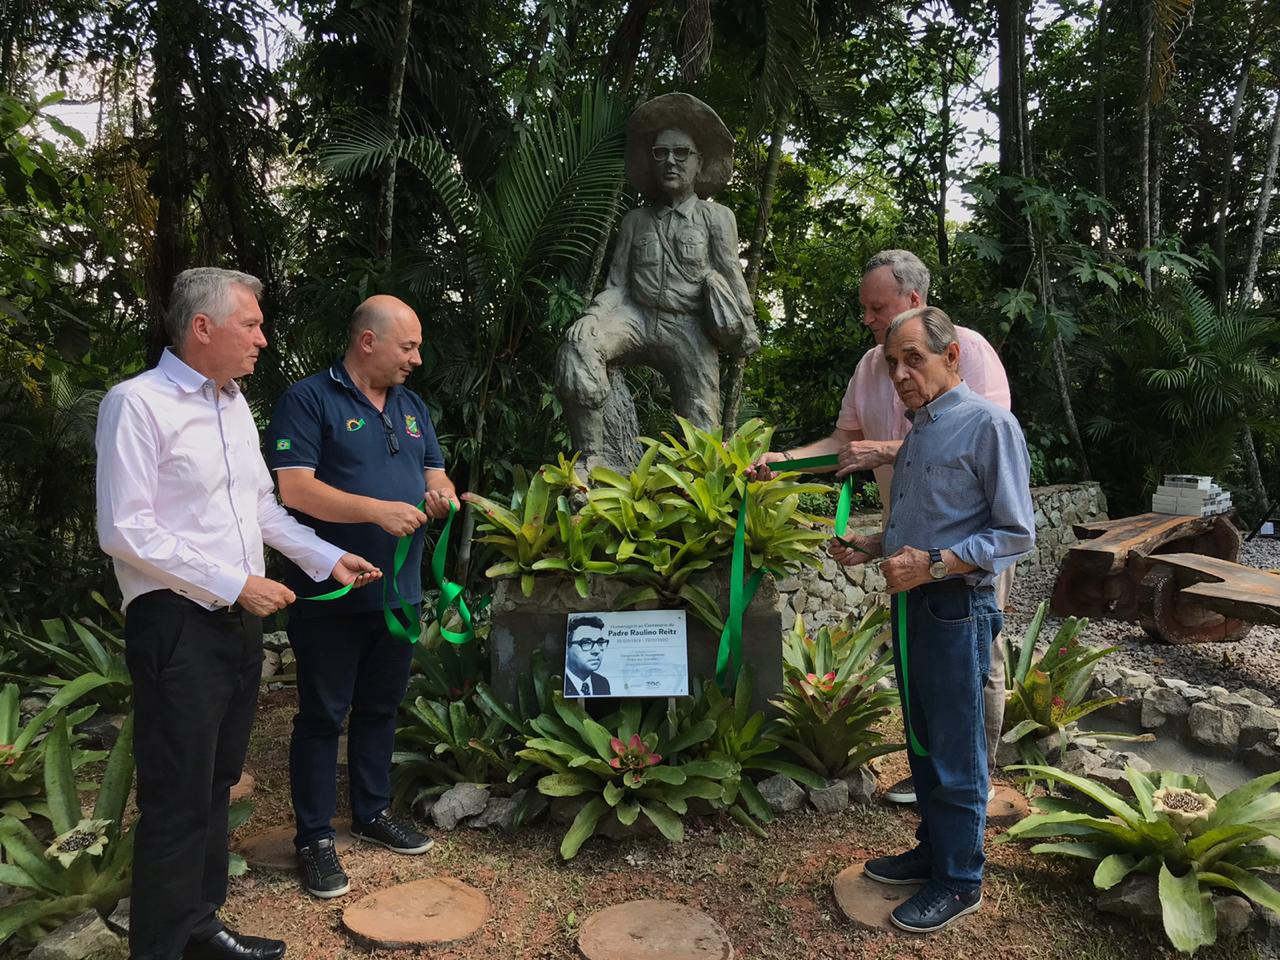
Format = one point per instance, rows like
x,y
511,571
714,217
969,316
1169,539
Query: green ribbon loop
x,y
729,654
451,593
844,505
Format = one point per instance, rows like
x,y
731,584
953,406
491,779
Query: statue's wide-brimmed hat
x,y
683,112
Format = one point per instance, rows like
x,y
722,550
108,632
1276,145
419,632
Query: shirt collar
x,y
338,374
684,208
940,405
187,378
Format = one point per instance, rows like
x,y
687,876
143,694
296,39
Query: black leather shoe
x,y
229,945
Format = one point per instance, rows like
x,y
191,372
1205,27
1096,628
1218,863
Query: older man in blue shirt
x,y
960,514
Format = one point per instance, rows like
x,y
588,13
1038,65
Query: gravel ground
x,y
1251,662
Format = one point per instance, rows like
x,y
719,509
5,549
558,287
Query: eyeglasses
x,y
678,154
393,442
599,643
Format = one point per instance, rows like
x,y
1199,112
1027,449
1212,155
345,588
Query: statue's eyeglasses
x,y
600,643
678,154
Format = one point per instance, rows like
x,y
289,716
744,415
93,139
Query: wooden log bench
x,y
1121,569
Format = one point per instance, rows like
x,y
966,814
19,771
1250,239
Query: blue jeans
x,y
948,651
347,662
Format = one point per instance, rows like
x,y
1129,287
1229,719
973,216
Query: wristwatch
x,y
937,566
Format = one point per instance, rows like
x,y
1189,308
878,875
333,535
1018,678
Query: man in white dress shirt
x,y
185,504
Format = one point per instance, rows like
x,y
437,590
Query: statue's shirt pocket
x,y
648,250
693,246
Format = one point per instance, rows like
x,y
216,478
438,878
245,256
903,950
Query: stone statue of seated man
x,y
675,297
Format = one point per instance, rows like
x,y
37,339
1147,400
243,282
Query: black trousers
x,y
195,688
345,663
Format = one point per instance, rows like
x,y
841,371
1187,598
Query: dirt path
x,y
772,896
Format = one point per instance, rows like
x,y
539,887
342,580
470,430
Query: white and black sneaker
x,y
322,874
393,833
904,791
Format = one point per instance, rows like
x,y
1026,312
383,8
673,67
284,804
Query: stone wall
x,y
827,594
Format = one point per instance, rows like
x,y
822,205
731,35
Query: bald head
x,y
379,313
384,341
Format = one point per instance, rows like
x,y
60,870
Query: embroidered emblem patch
x,y
283,444
411,425
353,424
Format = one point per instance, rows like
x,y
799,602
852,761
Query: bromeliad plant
x,y
673,516
741,738
624,764
85,650
1176,830
1047,696
524,531
830,701
22,748
88,863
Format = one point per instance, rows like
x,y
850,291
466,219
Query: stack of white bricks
x,y
1190,496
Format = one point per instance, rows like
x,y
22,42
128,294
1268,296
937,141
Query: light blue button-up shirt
x,y
962,481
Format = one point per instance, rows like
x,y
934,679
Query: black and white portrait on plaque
x,y
633,653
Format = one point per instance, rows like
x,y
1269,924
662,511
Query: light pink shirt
x,y
872,406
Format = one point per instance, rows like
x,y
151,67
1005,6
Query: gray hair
x,y
908,269
939,331
204,290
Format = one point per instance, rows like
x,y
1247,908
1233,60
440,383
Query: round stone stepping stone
x,y
243,788
424,912
867,903
658,929
274,850
1008,807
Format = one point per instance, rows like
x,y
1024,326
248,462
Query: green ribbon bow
x,y
450,593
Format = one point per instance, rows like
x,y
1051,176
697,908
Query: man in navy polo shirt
x,y
354,453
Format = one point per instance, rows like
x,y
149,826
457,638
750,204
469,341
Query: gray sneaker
x,y
322,873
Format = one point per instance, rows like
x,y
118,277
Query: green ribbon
x,y
729,654
916,747
450,593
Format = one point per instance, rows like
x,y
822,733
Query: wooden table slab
x,y
1232,589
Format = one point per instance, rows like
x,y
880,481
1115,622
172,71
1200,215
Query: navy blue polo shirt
x,y
324,423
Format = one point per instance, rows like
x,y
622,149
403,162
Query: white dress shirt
x,y
185,500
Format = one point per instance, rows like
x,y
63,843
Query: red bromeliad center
x,y
634,755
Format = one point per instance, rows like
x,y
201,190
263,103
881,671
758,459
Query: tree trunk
x,y
1100,121
1060,376
1246,288
755,256
944,147
1157,152
171,183
1009,16
387,191
1144,137
1264,203
1228,166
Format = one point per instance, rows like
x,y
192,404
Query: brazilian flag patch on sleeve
x,y
284,443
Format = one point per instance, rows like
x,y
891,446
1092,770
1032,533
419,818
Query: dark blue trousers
x,y
942,663
348,662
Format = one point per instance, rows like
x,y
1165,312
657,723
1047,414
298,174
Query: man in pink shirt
x,y
872,424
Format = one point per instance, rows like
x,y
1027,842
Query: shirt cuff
x,y
965,553
227,584
320,565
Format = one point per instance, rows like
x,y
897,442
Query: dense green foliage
x,y
672,517
1118,248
